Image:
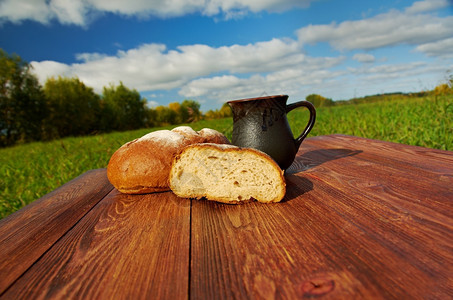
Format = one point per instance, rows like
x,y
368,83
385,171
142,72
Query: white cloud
x,y
442,48
46,69
68,11
403,77
79,12
426,6
388,29
170,8
152,104
270,67
364,58
389,70
152,66
231,8
16,11
87,57
204,86
229,87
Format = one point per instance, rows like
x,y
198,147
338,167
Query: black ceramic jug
x,y
261,123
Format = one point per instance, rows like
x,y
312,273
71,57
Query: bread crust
x,y
225,149
143,165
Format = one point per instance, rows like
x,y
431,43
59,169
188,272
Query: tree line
x,y
67,107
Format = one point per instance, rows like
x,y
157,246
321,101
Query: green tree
x,y
444,88
186,112
224,112
178,116
165,115
22,104
74,107
123,109
190,111
319,101
151,118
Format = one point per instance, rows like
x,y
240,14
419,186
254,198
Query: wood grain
x,y
127,247
366,219
361,219
28,233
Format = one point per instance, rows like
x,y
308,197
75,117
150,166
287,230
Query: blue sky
x,y
213,51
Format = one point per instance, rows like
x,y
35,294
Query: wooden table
x,y
362,219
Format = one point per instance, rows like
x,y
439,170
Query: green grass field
x,y
27,172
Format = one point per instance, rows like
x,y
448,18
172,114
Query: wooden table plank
x,y
349,228
361,219
423,159
28,233
420,173
127,247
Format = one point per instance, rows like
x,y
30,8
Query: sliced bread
x,y
226,173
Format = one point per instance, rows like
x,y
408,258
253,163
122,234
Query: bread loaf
x,y
226,173
143,165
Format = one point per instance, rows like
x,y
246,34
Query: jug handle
x,y
311,121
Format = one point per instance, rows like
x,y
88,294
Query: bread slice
x,y
143,165
226,173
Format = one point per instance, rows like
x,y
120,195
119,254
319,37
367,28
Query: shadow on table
x,y
315,158
298,185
